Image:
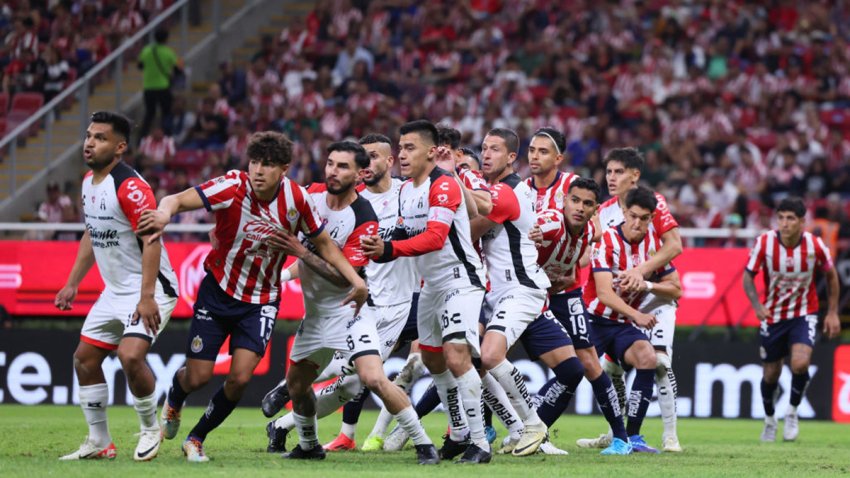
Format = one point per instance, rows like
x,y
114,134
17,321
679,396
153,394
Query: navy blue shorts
x,y
410,332
777,339
613,338
571,312
217,316
544,334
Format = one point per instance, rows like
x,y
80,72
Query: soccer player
x,y
240,295
326,329
622,172
789,258
140,292
612,307
469,160
434,228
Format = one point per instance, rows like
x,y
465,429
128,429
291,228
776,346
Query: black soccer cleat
x,y
275,400
277,438
427,454
451,448
297,453
475,455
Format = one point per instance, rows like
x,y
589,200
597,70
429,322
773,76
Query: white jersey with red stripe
x,y
511,257
614,254
112,209
346,227
243,265
565,251
790,273
553,195
611,215
437,203
395,282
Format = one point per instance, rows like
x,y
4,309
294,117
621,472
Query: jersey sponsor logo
x,y
259,230
103,238
442,198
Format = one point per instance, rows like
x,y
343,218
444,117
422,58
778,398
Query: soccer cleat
x,y
617,447
792,427
529,442
396,440
88,451
148,446
671,444
405,377
451,448
193,450
490,433
169,421
508,445
427,454
769,432
341,443
640,446
474,454
373,443
548,448
602,441
298,453
275,400
277,438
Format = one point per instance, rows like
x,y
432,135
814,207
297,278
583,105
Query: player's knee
x,y
84,365
458,364
130,359
375,382
799,366
238,380
196,380
645,358
490,359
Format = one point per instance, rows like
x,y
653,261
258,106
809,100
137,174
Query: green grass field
x,y
31,439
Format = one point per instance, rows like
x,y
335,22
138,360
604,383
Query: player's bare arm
x,y
329,251
479,226
290,245
152,222
669,287
562,282
750,289
831,323
605,291
482,200
536,235
82,264
147,310
671,247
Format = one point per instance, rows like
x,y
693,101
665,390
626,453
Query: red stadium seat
x,y
189,159
28,102
539,92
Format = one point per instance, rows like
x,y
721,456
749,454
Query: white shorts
x,y
513,310
318,338
111,318
452,314
390,320
661,336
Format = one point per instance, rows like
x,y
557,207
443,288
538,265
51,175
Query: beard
x,y
375,179
336,191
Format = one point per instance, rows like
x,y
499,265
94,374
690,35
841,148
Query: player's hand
x,y
536,235
152,222
147,311
373,246
831,325
286,243
631,280
65,297
762,313
445,160
358,294
646,321
213,239
561,283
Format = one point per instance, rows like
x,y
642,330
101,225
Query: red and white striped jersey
x,y
112,209
553,195
790,273
243,265
565,252
614,254
345,227
611,214
511,257
472,180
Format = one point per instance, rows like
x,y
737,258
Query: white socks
x,y
495,397
665,380
146,409
409,422
513,382
307,430
93,401
469,385
447,389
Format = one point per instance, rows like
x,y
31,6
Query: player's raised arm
x,y
291,246
153,221
82,264
668,287
605,291
329,251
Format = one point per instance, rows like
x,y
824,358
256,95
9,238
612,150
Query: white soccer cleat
x,y
396,440
671,444
792,427
769,432
88,451
602,441
169,421
148,446
548,448
508,444
529,442
193,449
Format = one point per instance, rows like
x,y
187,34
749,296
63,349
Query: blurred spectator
x,y
157,149
237,144
56,73
210,129
57,208
233,83
157,61
181,121
123,23
348,57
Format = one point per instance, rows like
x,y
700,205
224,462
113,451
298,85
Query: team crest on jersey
x,y
197,344
291,214
789,263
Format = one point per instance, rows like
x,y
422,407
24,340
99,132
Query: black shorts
x,y
571,312
544,334
410,332
614,338
777,339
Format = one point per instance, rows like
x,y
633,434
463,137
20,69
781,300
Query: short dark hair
x,y
426,130
643,197
160,35
120,124
270,146
510,137
361,157
448,136
471,153
374,138
555,135
794,205
586,183
631,158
